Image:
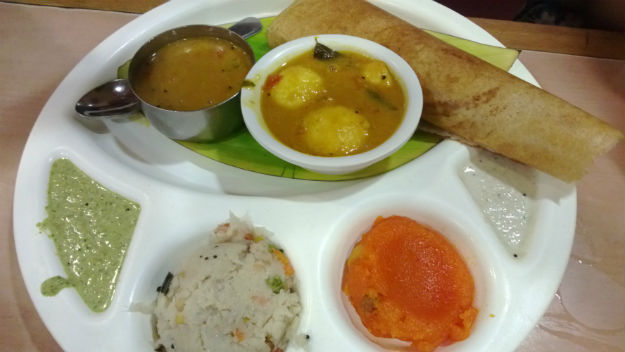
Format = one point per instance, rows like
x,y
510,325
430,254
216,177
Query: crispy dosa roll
x,y
463,95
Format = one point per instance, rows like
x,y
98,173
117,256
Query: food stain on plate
x,y
408,282
91,227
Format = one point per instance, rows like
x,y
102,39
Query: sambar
x,y
192,73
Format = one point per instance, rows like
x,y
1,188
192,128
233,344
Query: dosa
x,y
463,95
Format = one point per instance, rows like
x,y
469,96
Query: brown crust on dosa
x,y
464,95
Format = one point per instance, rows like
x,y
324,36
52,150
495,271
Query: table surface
x,y
39,45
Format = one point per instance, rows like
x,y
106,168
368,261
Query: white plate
x,y
184,195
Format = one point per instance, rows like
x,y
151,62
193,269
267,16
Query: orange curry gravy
x,y
408,282
192,73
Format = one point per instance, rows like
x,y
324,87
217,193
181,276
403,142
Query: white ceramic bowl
x,y
252,115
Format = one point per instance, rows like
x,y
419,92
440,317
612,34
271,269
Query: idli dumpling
x,y
295,86
377,74
335,130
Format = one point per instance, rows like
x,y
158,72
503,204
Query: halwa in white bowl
x,y
403,74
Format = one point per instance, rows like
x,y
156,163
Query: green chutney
x,y
91,228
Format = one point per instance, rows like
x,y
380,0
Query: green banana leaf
x,y
241,149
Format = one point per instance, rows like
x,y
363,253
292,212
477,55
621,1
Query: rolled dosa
x,y
464,95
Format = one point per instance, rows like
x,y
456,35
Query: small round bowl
x,y
403,73
207,124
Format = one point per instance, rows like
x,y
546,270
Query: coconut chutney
x,y
91,227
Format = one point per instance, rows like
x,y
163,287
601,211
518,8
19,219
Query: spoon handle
x,y
247,27
113,99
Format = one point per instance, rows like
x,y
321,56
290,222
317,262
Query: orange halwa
x,y
408,282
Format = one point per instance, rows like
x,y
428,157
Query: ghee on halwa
x,y
192,73
407,282
343,105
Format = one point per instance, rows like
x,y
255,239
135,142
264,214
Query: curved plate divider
x,y
184,196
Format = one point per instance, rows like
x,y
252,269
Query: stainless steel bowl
x,y
207,124
117,100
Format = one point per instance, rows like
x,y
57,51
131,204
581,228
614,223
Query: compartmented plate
x,y
185,195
